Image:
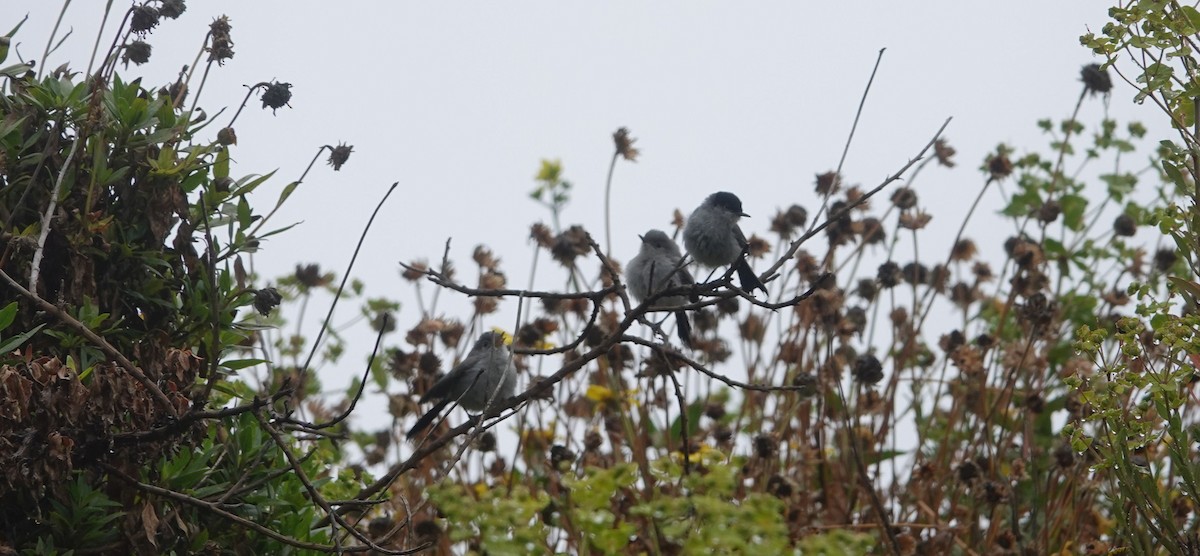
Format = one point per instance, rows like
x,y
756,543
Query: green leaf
x,y
1193,19
221,166
4,42
8,314
1073,207
239,364
694,411
16,341
287,192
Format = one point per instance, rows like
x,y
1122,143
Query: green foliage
x,y
712,517
126,218
87,518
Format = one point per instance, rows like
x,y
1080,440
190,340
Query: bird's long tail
x,y
427,419
683,328
747,277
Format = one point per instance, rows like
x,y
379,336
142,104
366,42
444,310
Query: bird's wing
x,y
465,373
741,238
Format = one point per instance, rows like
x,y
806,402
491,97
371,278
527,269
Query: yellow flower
x,y
599,394
481,488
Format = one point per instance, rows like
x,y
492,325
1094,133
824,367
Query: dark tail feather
x,y
747,277
683,328
426,419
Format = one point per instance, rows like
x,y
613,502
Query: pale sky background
x,y
459,102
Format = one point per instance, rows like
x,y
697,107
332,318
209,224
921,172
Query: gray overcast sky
x,y
459,101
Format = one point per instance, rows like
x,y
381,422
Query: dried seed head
x,y
994,493
276,96
486,305
915,219
915,273
428,363
143,19
904,198
785,222
757,247
841,228
952,341
855,321
492,280
964,250
1064,455
866,289
486,442
452,333
962,295
889,275
1035,402
828,183
714,411
541,234
998,165
172,9
137,52
1038,310
867,369
624,143
944,153
753,329
728,306
1095,79
796,216
227,136
415,271
266,299
1164,259
427,531
592,441
401,364
872,231
1049,211
384,322
982,271
339,155
968,471
572,243
765,446
780,486
939,277
485,258
309,276
704,320
1124,225
221,46
722,434
560,455
177,91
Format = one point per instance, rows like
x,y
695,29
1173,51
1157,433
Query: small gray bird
x,y
713,238
656,262
473,382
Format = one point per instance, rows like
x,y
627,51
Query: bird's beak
x,y
642,239
744,215
501,338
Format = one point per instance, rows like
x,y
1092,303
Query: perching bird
x,y
656,262
473,383
713,238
